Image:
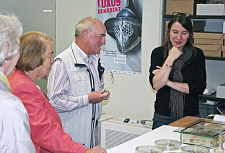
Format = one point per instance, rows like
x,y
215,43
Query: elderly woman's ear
x,y
5,49
6,46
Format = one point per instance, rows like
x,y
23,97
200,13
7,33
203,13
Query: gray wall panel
x,y
30,13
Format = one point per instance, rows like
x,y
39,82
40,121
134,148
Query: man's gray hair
x,y
87,23
10,31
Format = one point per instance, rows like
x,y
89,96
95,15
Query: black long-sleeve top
x,y
194,74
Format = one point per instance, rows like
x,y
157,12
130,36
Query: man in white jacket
x,y
75,83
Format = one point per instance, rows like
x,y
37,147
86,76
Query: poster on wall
x,y
123,22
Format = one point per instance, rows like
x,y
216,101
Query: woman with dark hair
x,y
177,72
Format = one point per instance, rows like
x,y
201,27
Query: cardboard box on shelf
x,y
208,41
208,38
210,50
187,6
210,9
179,6
224,39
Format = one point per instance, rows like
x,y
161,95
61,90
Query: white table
x,y
163,132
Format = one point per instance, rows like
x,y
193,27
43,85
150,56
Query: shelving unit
x,y
215,58
199,16
211,97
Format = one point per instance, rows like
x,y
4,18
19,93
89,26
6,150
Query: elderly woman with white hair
x,y
14,122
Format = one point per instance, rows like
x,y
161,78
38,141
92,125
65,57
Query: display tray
x,y
168,144
203,132
148,149
195,149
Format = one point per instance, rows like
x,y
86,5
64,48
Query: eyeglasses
x,y
111,81
175,14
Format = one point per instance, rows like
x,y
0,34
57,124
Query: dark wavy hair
x,y
185,21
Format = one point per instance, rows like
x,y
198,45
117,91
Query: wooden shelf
x,y
200,16
215,58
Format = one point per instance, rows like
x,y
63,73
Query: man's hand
x,y
96,149
98,96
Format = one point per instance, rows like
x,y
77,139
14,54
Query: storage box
x,y
208,41
208,38
210,9
179,6
199,23
198,26
210,50
220,93
206,109
198,2
187,6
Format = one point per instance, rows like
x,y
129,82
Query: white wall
x,y
68,14
131,95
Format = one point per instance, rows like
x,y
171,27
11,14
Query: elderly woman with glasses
x,y
14,122
177,72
